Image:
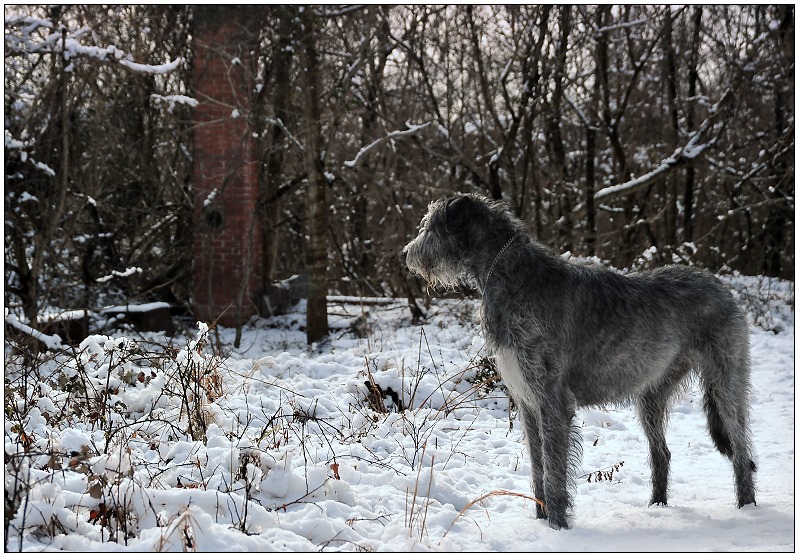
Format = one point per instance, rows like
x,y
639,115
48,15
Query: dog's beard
x,y
436,275
426,258
441,278
444,279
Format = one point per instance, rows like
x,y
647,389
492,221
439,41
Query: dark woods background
x,y
543,106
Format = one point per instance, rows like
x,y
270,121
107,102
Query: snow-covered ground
x,y
291,453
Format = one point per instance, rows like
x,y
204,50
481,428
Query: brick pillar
x,y
227,239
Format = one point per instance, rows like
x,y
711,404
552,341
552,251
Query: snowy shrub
x,y
768,302
113,395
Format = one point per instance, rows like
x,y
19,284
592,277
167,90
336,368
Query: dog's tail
x,y
718,429
716,425
725,373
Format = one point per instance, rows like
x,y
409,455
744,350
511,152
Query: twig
x,y
377,143
487,495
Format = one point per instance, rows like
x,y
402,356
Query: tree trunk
x,y
600,83
779,214
670,80
272,166
555,143
363,259
690,172
316,202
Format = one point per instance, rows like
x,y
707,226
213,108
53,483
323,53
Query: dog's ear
x,y
459,211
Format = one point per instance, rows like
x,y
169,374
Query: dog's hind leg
x,y
532,433
652,409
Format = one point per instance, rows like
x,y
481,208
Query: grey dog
x,y
565,335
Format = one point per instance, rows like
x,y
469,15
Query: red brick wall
x,y
227,242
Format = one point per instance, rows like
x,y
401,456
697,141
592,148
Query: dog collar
x,y
491,269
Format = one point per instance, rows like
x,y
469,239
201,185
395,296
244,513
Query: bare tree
x,y
274,142
316,205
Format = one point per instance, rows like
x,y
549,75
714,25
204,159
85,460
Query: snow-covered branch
x,y
580,114
343,11
73,49
692,150
278,122
67,44
623,25
390,136
53,342
173,100
150,69
126,273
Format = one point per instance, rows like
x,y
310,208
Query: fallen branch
x,y
363,300
52,342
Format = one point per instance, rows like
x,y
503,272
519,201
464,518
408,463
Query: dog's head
x,y
451,235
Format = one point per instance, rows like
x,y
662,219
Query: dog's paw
x,y
558,523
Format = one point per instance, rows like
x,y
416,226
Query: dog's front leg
x,y
532,432
556,412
